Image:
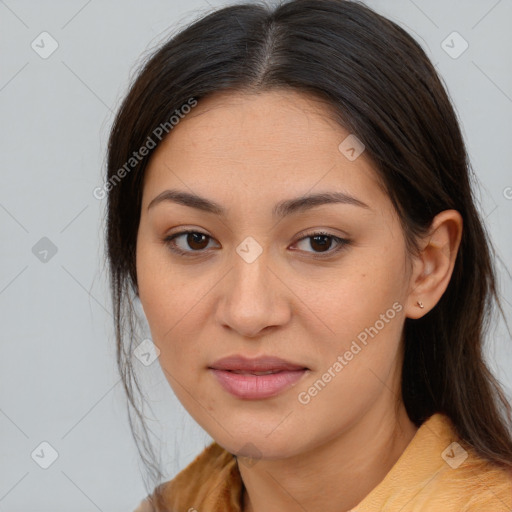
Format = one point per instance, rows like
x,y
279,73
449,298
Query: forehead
x,y
259,144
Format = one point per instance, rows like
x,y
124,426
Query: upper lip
x,y
259,364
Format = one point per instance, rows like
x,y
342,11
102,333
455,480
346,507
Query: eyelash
x,y
342,243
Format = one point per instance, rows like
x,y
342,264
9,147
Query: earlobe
x,y
433,267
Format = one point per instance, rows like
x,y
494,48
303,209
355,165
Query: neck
x,y
335,476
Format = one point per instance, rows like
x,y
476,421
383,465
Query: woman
x,y
289,199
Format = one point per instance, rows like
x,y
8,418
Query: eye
x,y
320,241
193,239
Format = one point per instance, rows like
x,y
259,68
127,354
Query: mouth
x,y
256,379
263,364
242,372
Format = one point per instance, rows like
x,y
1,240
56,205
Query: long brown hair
x,y
381,86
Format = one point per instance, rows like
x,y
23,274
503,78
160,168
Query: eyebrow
x,y
280,210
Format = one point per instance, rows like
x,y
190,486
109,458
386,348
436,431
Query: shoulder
x,y
210,482
463,474
439,471
479,484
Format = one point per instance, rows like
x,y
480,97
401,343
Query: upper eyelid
x,y
304,234
341,240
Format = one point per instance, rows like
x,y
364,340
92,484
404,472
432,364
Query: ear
x,y
433,267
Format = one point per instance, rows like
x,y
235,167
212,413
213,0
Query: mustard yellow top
x,y
437,472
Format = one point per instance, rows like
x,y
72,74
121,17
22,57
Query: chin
x,y
257,443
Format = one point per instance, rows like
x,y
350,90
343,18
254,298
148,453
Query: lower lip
x,y
255,387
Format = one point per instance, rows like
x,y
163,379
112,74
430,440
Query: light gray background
x,y
58,377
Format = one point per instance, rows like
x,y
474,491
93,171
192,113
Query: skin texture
x,y
248,152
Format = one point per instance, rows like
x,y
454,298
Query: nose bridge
x,y
250,279
251,298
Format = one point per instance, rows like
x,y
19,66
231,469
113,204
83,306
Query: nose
x,y
253,298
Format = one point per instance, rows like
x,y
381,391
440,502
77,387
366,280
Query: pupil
x,y
191,240
325,245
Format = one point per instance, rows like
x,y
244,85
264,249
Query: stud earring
x,y
420,304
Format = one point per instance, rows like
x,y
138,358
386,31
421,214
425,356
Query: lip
x,y
236,374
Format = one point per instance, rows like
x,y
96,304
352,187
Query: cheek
x,y
161,294
173,299
364,310
366,290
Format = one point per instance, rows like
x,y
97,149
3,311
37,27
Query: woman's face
x,y
258,287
